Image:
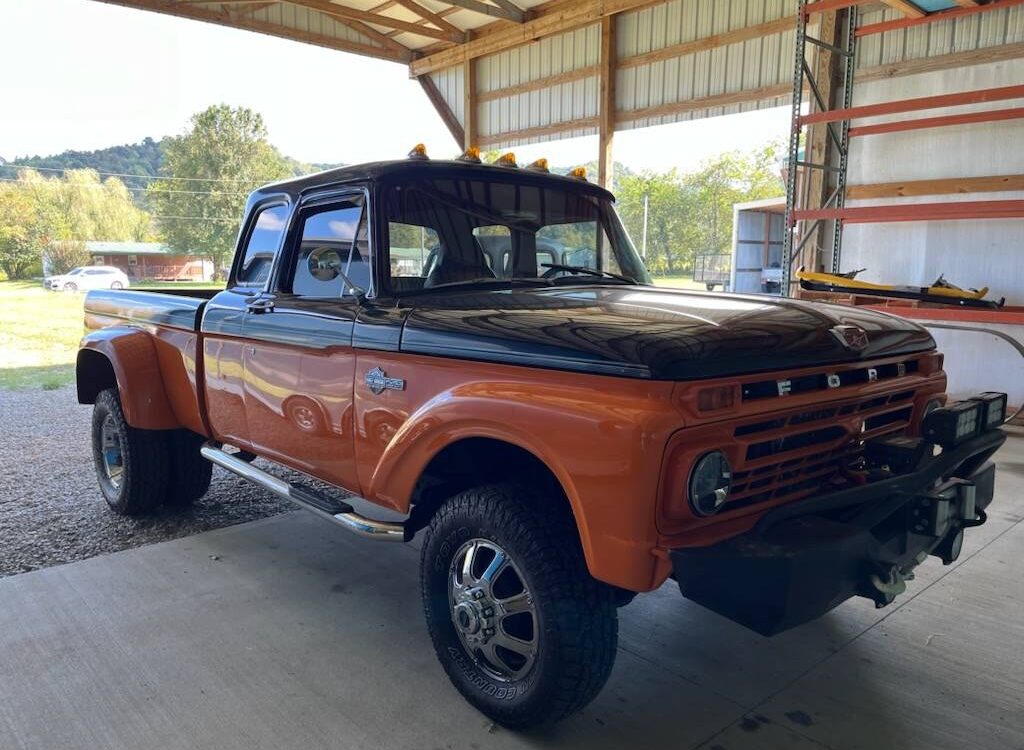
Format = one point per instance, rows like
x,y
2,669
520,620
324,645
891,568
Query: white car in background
x,y
84,278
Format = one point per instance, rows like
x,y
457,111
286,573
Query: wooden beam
x,y
489,10
540,83
709,42
447,116
943,186
469,104
999,93
237,21
918,212
557,128
942,62
563,18
375,35
431,17
922,123
606,104
705,102
908,9
941,15
345,12
515,12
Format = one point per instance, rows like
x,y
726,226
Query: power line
x,y
126,187
138,176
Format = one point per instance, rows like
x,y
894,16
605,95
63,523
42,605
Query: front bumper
x,y
803,559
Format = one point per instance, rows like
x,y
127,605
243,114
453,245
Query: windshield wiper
x,y
590,272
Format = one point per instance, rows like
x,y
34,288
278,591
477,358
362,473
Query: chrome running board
x,y
337,511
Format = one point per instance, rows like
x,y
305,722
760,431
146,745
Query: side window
x,y
413,249
262,246
333,246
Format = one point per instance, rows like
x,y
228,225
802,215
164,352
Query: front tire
x,y
523,631
131,464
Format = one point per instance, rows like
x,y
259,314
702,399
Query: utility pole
x,y
643,236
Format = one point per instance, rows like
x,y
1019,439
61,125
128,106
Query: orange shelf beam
x,y
1005,315
1000,93
941,15
969,118
917,212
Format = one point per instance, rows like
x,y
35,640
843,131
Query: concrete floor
x,y
289,633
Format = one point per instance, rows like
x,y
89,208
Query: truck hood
x,y
644,332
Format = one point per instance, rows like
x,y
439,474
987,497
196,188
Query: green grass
x,y
39,335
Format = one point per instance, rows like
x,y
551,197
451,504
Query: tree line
x,y
200,180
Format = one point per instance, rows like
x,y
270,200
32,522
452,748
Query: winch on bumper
x,y
803,559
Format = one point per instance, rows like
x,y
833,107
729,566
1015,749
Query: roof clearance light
x,y
579,173
507,160
419,151
541,165
471,155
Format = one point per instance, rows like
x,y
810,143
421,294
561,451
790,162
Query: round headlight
x,y
709,483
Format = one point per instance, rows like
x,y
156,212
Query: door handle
x,y
260,305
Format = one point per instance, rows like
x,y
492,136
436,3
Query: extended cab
x,y
479,351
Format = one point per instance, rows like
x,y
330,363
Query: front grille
x,y
825,381
796,454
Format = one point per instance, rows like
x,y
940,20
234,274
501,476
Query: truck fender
x,y
441,422
130,357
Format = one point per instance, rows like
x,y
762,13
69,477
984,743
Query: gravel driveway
x,y
51,510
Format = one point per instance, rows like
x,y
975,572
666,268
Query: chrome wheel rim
x,y
493,610
111,452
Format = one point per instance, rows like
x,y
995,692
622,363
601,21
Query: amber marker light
x,y
507,160
540,165
470,155
419,151
579,173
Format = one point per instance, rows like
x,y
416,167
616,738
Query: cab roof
x,y
419,169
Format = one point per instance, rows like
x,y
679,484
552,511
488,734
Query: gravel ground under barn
x,y
51,510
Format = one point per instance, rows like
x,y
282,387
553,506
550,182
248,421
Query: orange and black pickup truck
x,y
479,351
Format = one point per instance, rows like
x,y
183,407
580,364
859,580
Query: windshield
x,y
452,232
75,271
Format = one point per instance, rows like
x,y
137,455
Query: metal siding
x,y
562,103
962,34
755,63
449,82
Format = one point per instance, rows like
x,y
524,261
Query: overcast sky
x,y
84,75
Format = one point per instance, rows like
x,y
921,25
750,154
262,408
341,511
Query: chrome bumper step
x,y
307,498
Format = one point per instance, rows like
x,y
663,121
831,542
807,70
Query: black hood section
x,y
644,332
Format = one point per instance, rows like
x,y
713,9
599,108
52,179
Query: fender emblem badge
x,y
378,382
833,380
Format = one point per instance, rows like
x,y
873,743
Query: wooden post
x,y
606,104
469,104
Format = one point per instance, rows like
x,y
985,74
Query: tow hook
x,y
893,582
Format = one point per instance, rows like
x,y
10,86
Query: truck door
x,y
224,320
299,360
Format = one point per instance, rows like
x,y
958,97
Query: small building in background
x,y
757,235
150,260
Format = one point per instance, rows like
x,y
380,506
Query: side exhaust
x,y
328,508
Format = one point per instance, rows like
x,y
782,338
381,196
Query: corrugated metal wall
x,y
942,38
309,21
752,64
562,103
658,92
